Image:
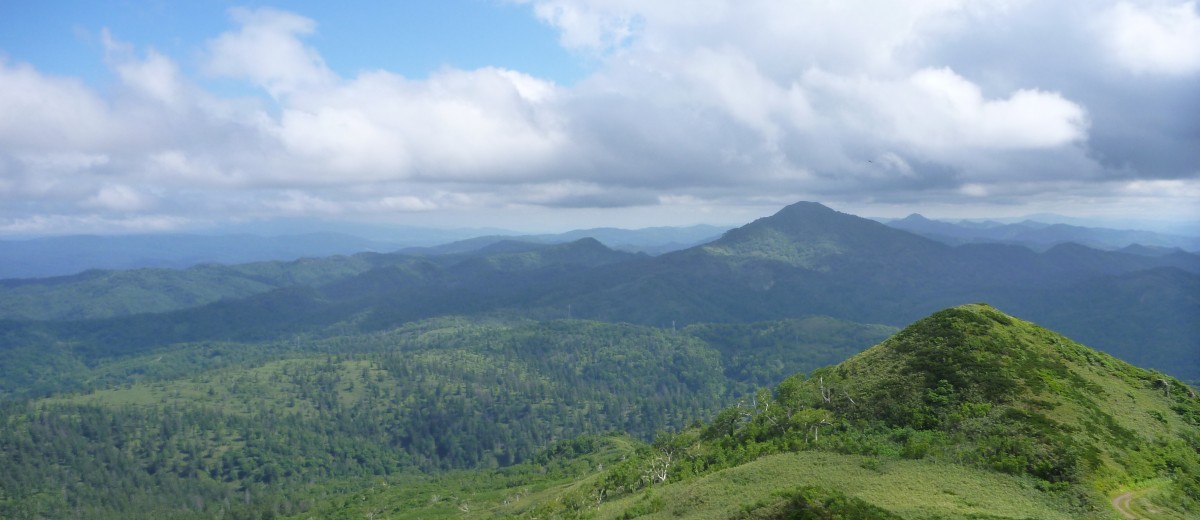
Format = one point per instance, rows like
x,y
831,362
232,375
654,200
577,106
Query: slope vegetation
x,y
201,430
968,413
805,260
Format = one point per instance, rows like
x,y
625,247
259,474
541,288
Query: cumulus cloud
x,y
935,110
691,105
455,125
157,77
45,113
267,50
1156,38
118,199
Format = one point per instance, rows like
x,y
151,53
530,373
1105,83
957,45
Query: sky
x,y
128,116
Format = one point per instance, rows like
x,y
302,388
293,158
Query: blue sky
x,y
543,115
411,38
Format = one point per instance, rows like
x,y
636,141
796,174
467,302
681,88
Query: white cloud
x,y
44,224
40,113
783,37
938,109
64,162
407,203
119,199
713,102
295,202
156,77
455,125
585,27
1157,37
266,49
181,168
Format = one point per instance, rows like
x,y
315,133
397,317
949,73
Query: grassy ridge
x,y
1021,419
968,413
904,488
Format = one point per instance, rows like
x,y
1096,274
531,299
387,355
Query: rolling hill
x,y
967,413
1041,236
246,429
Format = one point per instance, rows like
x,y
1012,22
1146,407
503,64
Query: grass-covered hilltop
x,y
967,413
510,377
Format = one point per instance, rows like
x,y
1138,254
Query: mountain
x,y
61,256
1149,316
340,296
806,259
809,259
236,429
112,294
100,277
1138,249
1040,235
99,294
814,237
69,255
652,241
966,413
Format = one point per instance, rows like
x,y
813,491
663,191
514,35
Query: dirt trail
x,y
1121,504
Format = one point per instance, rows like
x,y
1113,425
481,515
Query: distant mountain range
x,y
68,255
58,256
805,260
326,387
653,241
1041,236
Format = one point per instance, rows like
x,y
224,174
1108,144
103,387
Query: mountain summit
x,y
967,413
811,235
1009,395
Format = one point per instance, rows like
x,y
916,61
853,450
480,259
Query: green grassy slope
x,y
1020,399
968,413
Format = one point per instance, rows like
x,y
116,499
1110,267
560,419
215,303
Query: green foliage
x,y
647,504
249,429
764,353
218,420
814,503
968,385
105,294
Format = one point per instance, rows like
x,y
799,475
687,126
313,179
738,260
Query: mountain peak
x,y
807,206
1000,379
982,355
915,218
808,234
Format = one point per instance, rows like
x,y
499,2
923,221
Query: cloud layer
x,y
1079,106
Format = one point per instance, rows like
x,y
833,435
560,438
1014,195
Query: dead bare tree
x,y
660,466
1166,386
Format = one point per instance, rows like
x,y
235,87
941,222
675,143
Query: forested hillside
x,y
1041,235
205,429
266,388
968,413
805,260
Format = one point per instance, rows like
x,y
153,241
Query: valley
x,y
597,259
553,379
